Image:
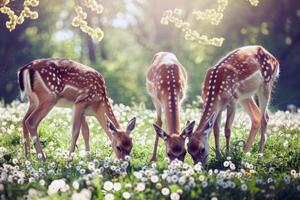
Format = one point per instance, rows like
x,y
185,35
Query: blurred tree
x,y
133,34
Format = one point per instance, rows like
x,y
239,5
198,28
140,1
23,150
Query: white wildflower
x,y
117,186
174,196
126,195
109,196
165,191
108,186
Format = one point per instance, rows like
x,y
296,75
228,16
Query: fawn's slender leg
x,y
78,111
32,122
229,120
158,123
217,126
85,133
253,111
26,135
264,94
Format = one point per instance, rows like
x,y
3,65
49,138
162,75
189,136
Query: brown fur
x,y
235,78
79,87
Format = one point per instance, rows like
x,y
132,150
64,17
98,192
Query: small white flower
x,y
270,180
241,143
140,187
21,181
127,158
75,185
165,191
84,194
154,179
271,169
226,164
15,161
109,196
31,180
167,159
175,196
153,165
232,166
293,172
42,182
244,187
138,175
126,195
182,180
108,186
40,156
82,171
27,163
287,179
198,167
248,154
201,178
285,143
174,179
57,185
117,186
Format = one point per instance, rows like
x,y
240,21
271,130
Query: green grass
x,y
276,175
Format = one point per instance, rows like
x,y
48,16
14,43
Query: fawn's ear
x,y
187,122
161,133
131,125
110,125
187,132
209,124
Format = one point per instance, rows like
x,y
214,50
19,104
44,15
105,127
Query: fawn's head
x,y
175,143
121,140
198,145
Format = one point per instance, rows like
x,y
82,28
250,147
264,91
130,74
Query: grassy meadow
x,y
274,175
